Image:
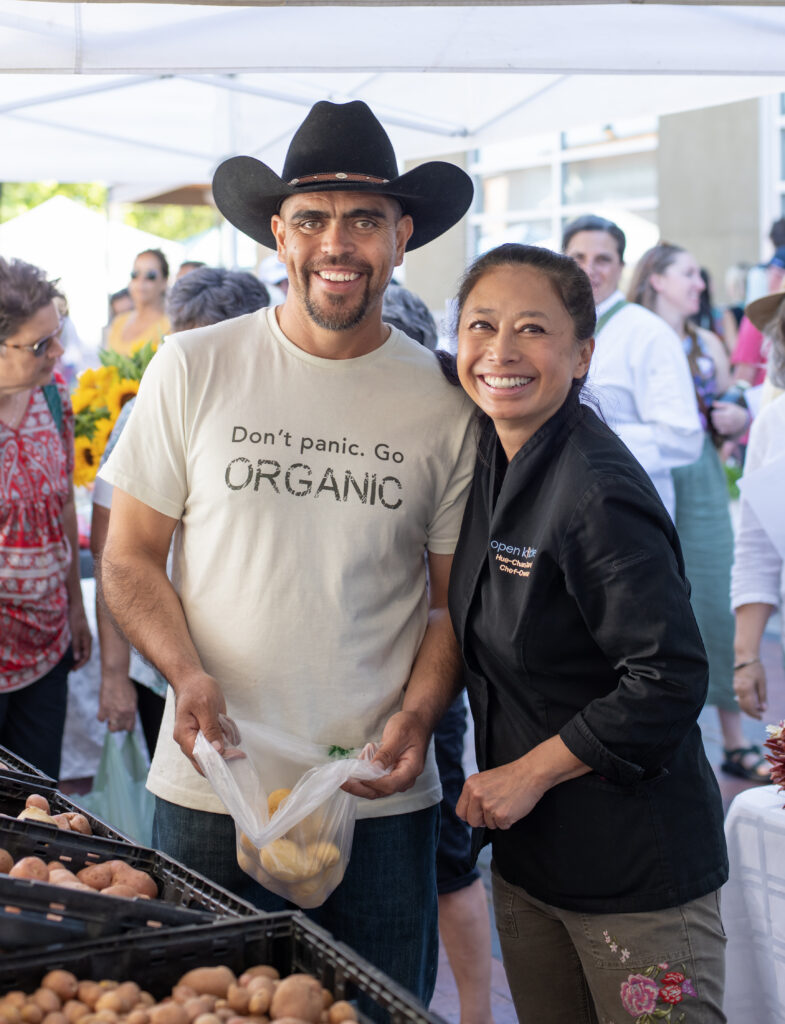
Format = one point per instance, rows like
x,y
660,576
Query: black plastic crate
x,y
288,941
14,791
12,765
35,914
177,885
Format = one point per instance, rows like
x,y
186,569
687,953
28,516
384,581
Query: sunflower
x,y
85,461
83,398
121,393
103,428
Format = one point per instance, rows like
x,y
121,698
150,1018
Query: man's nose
x,y
336,238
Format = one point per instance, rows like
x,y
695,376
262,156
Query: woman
x,y
667,281
43,628
758,584
147,321
586,675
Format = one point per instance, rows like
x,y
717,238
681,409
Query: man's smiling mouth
x,y
337,276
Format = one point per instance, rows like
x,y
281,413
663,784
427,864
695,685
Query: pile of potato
x,y
112,877
299,857
37,809
205,995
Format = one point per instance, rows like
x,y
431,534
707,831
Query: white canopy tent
x,y
161,92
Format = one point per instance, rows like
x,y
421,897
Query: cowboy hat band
x,y
341,147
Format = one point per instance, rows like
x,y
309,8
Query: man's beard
x,y
340,317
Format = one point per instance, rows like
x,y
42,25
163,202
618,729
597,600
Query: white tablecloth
x,y
753,908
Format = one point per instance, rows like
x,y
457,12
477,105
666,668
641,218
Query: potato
x,y
138,1016
259,970
299,995
111,1000
63,983
198,1006
168,1013
88,992
284,860
62,822
55,1018
238,998
36,814
6,861
47,999
259,1001
124,874
341,1011
30,867
211,981
126,892
37,800
74,1010
207,1018
97,876
59,875
79,823
275,799
183,993
31,1013
10,1014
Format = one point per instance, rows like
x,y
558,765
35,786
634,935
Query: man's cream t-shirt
x,y
308,491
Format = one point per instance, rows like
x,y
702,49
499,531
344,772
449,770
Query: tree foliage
x,y
167,221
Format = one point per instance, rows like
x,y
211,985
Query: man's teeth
x,y
506,382
330,275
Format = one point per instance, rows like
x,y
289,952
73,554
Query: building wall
x,y
708,167
433,272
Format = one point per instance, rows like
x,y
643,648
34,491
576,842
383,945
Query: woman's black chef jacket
x,y
569,600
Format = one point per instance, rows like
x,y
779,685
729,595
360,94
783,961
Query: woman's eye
x,y
479,325
531,329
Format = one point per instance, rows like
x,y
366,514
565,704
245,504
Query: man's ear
x,y
403,232
279,230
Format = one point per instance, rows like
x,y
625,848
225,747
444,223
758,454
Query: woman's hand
x,y
117,702
499,797
81,637
729,419
749,685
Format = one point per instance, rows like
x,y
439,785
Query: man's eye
x,y
364,225
310,225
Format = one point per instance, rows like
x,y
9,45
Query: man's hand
x,y
403,749
117,702
749,685
499,797
198,703
81,637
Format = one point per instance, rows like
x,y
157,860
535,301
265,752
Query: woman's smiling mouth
x,y
504,383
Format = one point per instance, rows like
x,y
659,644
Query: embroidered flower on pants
x,y
671,994
639,994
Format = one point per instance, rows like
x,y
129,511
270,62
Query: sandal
x,y
734,764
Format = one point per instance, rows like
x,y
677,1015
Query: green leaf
x,y
338,752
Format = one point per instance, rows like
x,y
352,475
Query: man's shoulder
x,y
633,316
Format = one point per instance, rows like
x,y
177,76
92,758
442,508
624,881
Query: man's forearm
x,y
435,678
145,606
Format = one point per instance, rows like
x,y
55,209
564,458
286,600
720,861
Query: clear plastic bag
x,y
293,821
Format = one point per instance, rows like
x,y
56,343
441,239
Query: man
x,y
639,373
308,457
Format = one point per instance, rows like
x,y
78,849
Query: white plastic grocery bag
x,y
293,821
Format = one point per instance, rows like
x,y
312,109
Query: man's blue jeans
x,y
385,908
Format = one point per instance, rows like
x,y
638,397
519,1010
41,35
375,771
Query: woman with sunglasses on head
x,y
147,321
43,628
586,675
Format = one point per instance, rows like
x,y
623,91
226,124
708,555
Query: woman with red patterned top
x,y
43,629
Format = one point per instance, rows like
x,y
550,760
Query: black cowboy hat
x,y
341,147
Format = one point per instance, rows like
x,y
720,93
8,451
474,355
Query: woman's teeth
x,y
506,382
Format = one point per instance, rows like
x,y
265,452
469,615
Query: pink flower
x,y
639,994
671,994
687,988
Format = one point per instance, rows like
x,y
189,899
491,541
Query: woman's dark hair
x,y
24,290
161,259
590,222
569,281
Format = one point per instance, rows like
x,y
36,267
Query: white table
x,y
753,908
